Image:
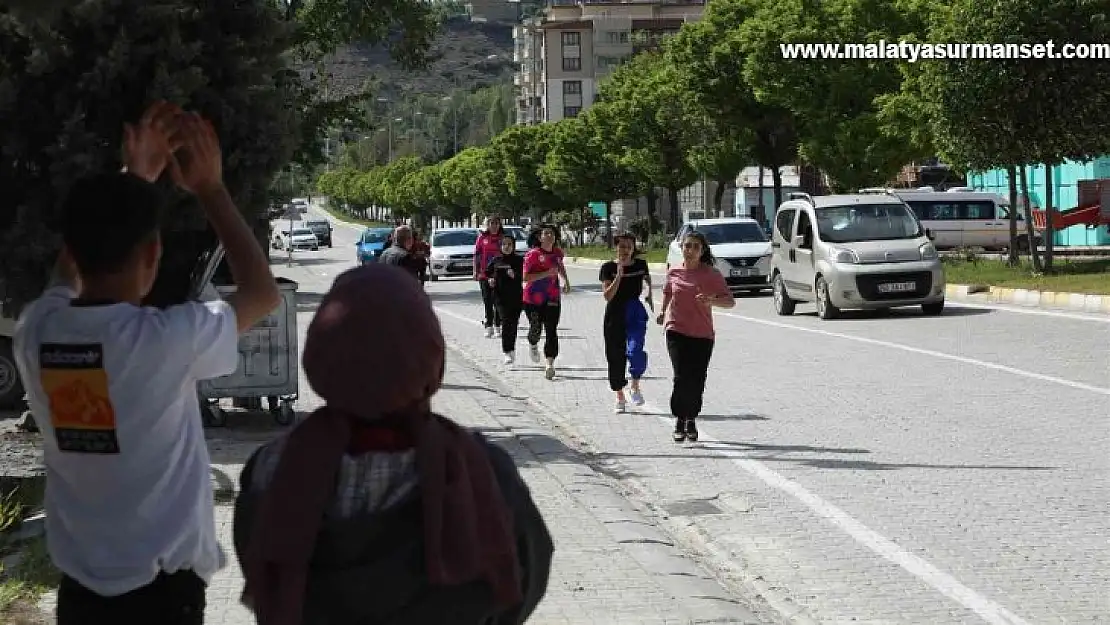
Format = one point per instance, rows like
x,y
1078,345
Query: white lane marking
x,y
941,581
944,583
927,352
924,352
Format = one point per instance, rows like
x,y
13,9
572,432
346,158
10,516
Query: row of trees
x,y
720,95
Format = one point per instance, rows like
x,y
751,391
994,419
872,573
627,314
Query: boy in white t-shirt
x,y
112,384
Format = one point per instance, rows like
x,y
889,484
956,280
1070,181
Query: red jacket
x,y
486,248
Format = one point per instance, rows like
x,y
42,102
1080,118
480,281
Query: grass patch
x,y
600,252
341,216
27,575
1067,275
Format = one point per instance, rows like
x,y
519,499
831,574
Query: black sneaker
x,y
679,431
691,431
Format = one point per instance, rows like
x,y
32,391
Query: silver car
x,y
864,251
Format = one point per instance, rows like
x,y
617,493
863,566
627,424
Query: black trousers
x,y
489,302
509,313
544,319
171,599
690,361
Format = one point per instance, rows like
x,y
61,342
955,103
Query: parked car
x,y
862,251
452,252
371,245
301,204
742,250
301,238
322,229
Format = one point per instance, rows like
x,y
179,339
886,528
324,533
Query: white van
x,y
960,217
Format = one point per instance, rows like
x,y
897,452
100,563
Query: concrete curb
x,y
972,293
1078,302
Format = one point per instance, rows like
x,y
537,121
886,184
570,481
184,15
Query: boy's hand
x,y
198,166
149,145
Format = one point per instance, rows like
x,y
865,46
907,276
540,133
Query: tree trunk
x,y
776,178
1049,230
1011,174
759,200
718,195
672,197
609,224
1030,233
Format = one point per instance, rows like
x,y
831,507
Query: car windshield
x,y
317,224
736,232
863,222
300,232
375,236
454,238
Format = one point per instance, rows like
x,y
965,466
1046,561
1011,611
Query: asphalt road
x,y
878,468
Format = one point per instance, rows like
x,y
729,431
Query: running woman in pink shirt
x,y
543,266
689,295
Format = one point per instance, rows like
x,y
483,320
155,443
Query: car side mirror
x,y
929,234
798,241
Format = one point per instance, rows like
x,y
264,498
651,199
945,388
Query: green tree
x,y
1015,113
712,55
650,114
720,155
835,101
523,150
586,164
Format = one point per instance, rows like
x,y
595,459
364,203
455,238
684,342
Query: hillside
x,y
461,59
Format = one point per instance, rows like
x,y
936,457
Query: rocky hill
x,y
462,62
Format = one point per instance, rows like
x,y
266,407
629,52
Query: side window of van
x,y
979,210
805,230
784,223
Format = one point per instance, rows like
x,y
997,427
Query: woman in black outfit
x,y
506,277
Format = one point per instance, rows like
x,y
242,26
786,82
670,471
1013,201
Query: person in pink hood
x,y
486,248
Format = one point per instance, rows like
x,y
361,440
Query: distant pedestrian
x,y
400,252
506,276
486,246
690,293
420,252
625,323
374,509
543,266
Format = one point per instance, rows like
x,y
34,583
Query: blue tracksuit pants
x,y
624,343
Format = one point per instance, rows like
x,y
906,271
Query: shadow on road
x,y
309,261
907,312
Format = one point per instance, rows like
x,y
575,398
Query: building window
x,y
572,38
616,36
572,64
571,111
572,87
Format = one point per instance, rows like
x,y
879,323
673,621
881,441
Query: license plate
x,y
897,287
746,272
461,266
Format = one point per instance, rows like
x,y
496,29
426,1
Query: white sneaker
x,y
497,332
534,353
619,407
549,372
489,333
637,398
510,358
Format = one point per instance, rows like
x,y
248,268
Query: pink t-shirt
x,y
685,315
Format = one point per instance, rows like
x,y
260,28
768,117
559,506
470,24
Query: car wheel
x,y
11,387
784,306
315,249
825,307
933,309
433,277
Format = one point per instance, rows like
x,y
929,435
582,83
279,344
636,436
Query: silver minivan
x,y
865,251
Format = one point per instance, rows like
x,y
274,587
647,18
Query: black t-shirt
x,y
631,284
507,272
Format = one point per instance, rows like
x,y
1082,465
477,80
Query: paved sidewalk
x,y
644,579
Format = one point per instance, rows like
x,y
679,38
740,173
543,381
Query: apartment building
x,y
564,55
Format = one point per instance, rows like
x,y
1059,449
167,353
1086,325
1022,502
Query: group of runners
x,y
512,284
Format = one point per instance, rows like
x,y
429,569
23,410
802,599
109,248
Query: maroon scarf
x,y
468,534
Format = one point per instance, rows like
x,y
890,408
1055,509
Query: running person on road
x,y
506,277
689,296
626,319
543,266
486,247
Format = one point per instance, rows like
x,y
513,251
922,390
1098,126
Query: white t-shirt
x,y
113,388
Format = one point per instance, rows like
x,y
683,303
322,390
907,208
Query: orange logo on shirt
x,y
76,386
